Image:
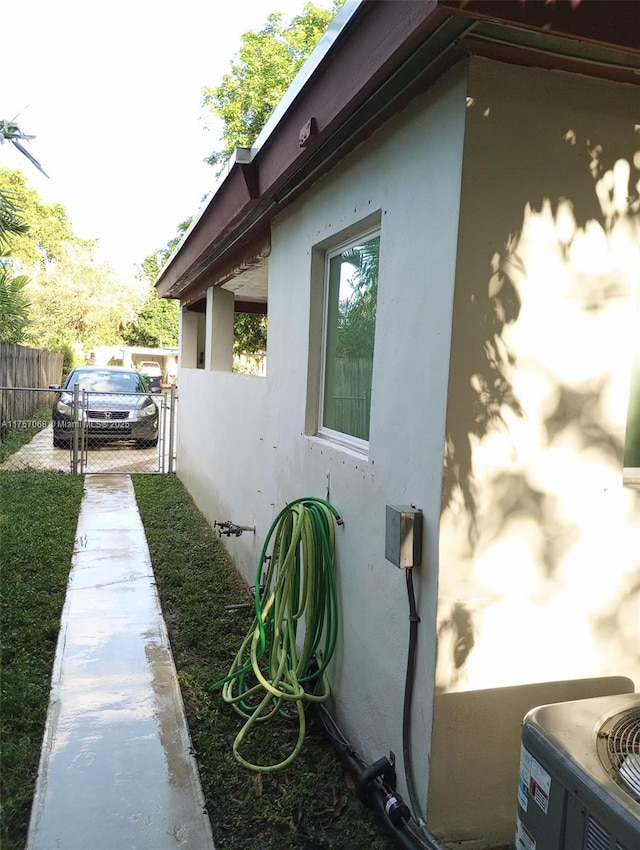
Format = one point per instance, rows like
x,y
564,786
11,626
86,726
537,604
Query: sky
x,y
113,93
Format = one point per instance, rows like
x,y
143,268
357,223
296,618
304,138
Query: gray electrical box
x,y
403,536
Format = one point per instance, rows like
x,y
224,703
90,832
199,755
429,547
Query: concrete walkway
x,y
123,457
117,770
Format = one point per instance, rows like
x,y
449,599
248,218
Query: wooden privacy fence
x,y
352,396
27,368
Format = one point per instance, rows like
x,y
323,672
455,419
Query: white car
x,y
151,368
152,371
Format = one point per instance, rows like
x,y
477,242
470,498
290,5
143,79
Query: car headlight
x,y
64,408
148,410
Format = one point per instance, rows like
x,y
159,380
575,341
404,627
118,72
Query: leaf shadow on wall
x,y
488,299
559,174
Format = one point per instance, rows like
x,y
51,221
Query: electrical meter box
x,y
403,536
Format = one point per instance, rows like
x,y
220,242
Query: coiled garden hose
x,y
275,673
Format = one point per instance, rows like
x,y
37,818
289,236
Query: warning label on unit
x,y
540,785
523,781
524,839
534,782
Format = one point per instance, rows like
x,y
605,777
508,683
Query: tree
x,y
10,219
261,73
250,334
72,298
14,305
264,67
357,314
78,300
157,323
49,234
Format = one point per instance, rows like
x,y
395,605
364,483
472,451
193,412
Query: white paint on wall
x,y
530,562
546,550
246,445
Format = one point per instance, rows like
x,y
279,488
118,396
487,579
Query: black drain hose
x,y
427,837
375,783
372,784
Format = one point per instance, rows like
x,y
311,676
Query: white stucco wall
x,y
547,546
242,447
539,539
530,563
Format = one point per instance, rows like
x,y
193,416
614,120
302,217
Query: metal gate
x,y
89,432
96,444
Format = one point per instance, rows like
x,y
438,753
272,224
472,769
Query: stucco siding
x,y
539,539
539,534
506,200
246,448
223,455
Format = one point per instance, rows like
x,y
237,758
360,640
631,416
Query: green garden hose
x,y
276,671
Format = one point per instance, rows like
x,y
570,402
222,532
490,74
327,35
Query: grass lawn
x,y
17,437
38,517
311,804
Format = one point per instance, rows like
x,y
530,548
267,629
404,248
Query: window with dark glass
x,y
350,321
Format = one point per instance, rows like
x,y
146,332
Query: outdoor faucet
x,y
228,528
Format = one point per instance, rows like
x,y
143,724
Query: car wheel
x,y
60,444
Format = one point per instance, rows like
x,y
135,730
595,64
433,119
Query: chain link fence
x,y
88,432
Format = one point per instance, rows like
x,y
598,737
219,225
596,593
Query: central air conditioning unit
x,y
579,786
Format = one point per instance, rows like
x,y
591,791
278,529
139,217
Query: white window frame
x,y
339,437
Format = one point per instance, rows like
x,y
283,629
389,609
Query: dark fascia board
x,y
352,70
388,51
611,23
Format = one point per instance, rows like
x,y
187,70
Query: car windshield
x,y
107,382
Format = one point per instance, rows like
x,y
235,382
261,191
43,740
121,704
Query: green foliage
x,y
12,439
152,264
156,325
172,244
14,305
312,804
68,357
11,221
37,527
264,67
261,73
79,300
69,298
250,334
357,314
49,233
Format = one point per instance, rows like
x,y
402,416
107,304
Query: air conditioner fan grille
x,y
619,749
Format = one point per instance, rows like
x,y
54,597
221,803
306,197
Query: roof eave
x,y
351,88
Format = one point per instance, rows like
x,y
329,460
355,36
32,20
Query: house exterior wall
x,y
246,444
130,356
539,539
504,328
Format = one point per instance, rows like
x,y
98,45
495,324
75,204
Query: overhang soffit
x,y
396,48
